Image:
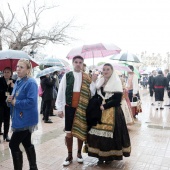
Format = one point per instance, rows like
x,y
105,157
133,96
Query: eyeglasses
x,y
24,59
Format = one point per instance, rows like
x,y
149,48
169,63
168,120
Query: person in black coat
x,y
159,84
150,82
6,87
93,108
47,85
167,75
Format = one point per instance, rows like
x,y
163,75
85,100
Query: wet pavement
x,y
150,140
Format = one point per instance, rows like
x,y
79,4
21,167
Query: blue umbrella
x,y
48,71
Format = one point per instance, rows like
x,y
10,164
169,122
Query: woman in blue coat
x,y
24,114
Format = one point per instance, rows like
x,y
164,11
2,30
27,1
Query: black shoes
x,y
48,121
53,114
108,162
6,138
55,108
161,108
44,118
100,162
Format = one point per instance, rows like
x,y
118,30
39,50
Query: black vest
x,y
69,87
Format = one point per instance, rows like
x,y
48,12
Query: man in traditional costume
x,y
73,97
167,75
159,84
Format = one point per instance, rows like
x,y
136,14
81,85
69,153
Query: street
x,y
150,142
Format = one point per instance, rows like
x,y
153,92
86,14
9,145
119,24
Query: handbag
x,y
139,107
136,102
40,91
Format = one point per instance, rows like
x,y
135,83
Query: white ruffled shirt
x,y
61,97
134,84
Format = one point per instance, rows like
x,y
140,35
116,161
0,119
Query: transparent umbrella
x,y
48,71
49,61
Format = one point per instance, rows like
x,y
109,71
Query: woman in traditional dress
x,y
133,89
125,105
109,140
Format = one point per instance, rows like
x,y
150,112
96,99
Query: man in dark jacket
x,y
150,82
47,85
159,84
6,87
167,75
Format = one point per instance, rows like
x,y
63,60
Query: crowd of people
x,y
158,83
96,108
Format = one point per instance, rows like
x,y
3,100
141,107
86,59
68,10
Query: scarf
x,y
114,84
79,128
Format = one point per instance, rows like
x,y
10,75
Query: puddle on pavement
x,y
155,126
159,127
39,139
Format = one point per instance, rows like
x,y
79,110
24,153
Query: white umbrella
x,y
48,71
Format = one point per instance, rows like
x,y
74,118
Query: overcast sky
x,y
133,25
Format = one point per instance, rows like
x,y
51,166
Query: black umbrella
x,y
126,57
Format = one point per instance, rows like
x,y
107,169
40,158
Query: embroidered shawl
x,y
79,128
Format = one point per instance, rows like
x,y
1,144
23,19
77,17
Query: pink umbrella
x,y
119,67
94,51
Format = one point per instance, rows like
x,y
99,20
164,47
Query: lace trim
x,y
109,153
101,133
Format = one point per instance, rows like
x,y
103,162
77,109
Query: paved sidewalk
x,y
150,140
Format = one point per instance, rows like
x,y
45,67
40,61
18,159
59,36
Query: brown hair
x,y
108,64
7,68
78,57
